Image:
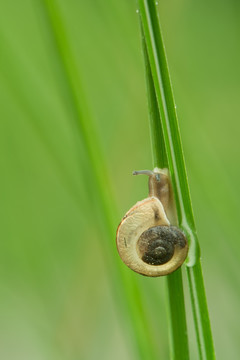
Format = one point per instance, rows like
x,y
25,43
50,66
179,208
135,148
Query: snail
x,y
147,241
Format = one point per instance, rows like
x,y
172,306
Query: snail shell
x,y
146,241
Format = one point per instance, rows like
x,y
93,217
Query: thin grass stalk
x,y
124,284
175,158
201,316
178,325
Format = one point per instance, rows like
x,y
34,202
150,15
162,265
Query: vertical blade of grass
x,y
171,135
124,284
200,312
159,154
178,325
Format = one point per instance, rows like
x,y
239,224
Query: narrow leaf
x,y
171,134
178,325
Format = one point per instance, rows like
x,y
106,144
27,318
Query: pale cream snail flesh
x,y
147,241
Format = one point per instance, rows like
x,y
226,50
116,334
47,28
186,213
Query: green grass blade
x,y
159,154
162,84
178,325
124,284
200,313
171,134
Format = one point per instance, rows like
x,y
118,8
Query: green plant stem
x,y
125,287
201,318
178,325
175,159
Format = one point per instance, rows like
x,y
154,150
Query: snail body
x,y
146,241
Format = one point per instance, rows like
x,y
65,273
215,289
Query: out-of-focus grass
x,y
56,301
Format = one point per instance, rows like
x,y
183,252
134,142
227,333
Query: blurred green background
x,y
57,292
